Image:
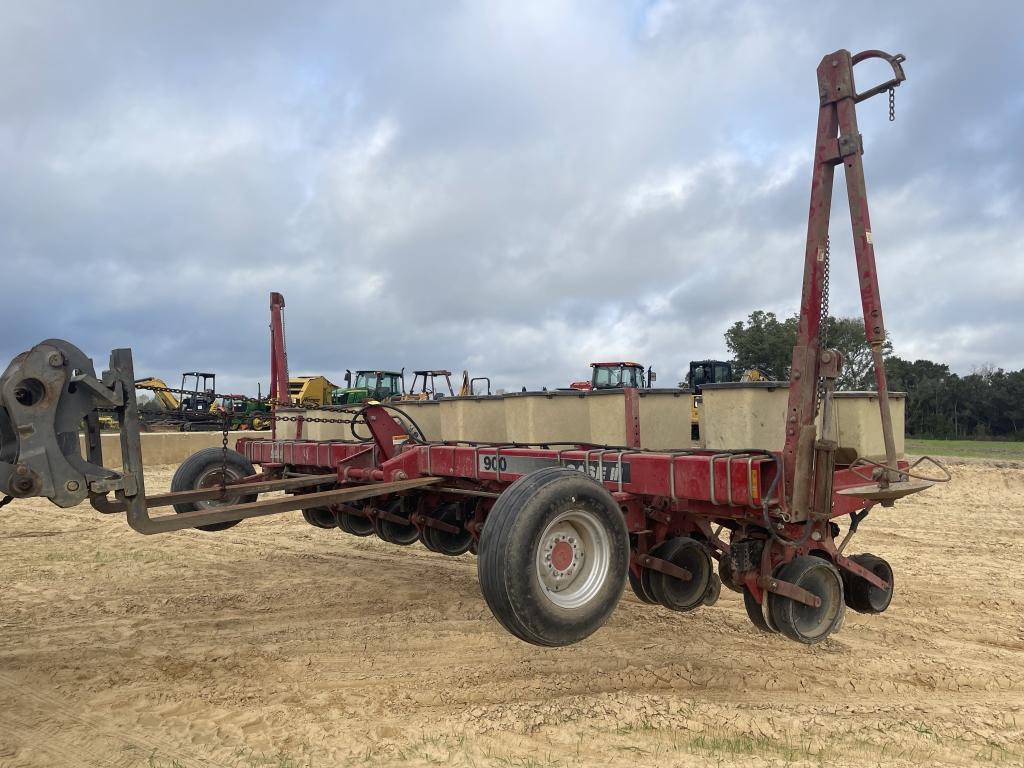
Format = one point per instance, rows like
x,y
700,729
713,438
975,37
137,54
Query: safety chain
x,y
225,425
823,324
892,104
318,420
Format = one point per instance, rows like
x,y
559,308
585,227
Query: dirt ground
x,y
277,644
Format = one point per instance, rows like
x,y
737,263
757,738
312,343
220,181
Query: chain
x,y
823,324
318,420
225,424
892,104
225,421
284,349
267,401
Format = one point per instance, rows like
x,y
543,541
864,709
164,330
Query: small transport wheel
x,y
755,613
554,553
677,594
451,544
320,517
357,525
804,623
863,596
397,533
203,469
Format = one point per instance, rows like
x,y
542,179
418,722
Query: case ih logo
x,y
609,470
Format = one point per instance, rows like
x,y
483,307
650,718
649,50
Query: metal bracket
x,y
787,589
663,566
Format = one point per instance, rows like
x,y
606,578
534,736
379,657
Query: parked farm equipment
x,y
559,529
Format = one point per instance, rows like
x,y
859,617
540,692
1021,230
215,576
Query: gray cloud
x,y
515,188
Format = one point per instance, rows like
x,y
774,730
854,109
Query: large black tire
x,y
554,553
804,623
676,594
203,470
863,596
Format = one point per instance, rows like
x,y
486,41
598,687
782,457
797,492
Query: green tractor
x,y
246,413
369,385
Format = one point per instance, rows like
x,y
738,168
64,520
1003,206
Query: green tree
x,y
763,341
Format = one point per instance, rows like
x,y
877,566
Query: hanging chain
x,y
823,321
225,424
892,104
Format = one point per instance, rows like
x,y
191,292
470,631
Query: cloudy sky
x,y
517,188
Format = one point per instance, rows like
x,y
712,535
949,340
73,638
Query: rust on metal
x,y
787,589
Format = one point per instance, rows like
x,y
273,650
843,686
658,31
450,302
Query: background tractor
x,y
369,385
246,413
616,375
197,407
711,372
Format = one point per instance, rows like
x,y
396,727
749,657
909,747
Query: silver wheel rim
x,y
210,478
573,558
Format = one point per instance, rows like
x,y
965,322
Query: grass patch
x,y
971,449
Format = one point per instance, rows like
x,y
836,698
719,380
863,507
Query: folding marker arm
x,y
838,142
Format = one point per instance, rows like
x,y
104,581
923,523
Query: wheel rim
x,y
804,622
879,599
211,478
573,558
814,622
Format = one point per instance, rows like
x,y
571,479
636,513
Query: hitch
x,y
51,394
47,396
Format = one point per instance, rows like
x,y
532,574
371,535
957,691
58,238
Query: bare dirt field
x,y
277,644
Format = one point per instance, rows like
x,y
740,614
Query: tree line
x,y
987,403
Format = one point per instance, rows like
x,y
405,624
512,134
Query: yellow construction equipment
x,y
164,400
310,390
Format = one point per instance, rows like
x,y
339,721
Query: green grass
x,y
973,449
